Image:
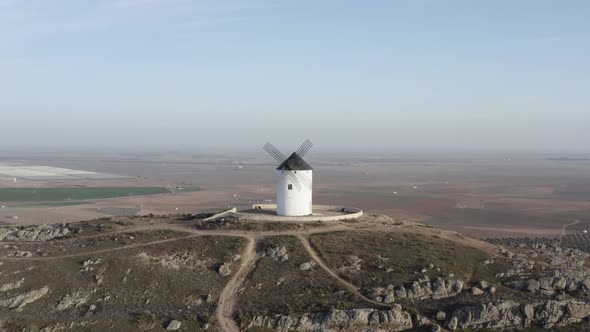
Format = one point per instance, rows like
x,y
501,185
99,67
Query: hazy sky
x,y
397,74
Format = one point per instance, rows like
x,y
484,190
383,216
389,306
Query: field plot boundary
x,y
39,172
66,194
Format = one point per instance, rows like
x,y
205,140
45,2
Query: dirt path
x,y
191,233
352,288
564,231
230,294
88,253
228,299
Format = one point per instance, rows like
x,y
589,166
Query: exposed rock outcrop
x,y
18,301
33,233
353,265
68,326
12,285
20,253
87,264
184,259
564,271
418,290
395,319
476,291
173,325
72,300
224,270
277,253
306,266
510,314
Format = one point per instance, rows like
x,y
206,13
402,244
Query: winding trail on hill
x,y
192,234
564,231
352,288
228,299
230,294
101,251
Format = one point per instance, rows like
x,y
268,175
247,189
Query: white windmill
x,y
294,181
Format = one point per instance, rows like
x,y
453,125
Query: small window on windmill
x,y
289,187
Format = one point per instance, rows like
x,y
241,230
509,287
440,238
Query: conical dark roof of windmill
x,y
294,163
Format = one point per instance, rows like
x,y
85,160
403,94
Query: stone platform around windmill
x,y
267,212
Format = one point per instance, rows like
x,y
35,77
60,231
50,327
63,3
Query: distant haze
x,y
472,75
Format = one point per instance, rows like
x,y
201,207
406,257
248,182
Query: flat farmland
x,y
74,193
483,196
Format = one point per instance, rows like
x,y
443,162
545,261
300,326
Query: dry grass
x,y
402,253
300,291
133,285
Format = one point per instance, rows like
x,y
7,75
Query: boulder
x,y
533,285
389,297
421,321
72,300
545,284
483,284
401,292
453,323
518,284
476,291
559,283
173,325
277,253
224,270
306,266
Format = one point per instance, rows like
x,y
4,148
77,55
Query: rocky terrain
x,y
395,319
33,233
371,274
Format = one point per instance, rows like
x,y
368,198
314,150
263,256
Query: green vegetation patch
x,y
187,189
74,193
397,258
54,204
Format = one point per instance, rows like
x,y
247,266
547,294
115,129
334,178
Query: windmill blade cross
x,y
296,177
300,176
274,152
304,148
292,165
303,179
295,180
277,176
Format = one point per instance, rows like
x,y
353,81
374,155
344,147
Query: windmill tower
x,y
294,180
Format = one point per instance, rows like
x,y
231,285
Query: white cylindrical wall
x,y
297,200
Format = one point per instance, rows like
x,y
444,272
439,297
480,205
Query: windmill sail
x,y
274,152
304,148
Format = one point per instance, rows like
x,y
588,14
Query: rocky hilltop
x,y
179,272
